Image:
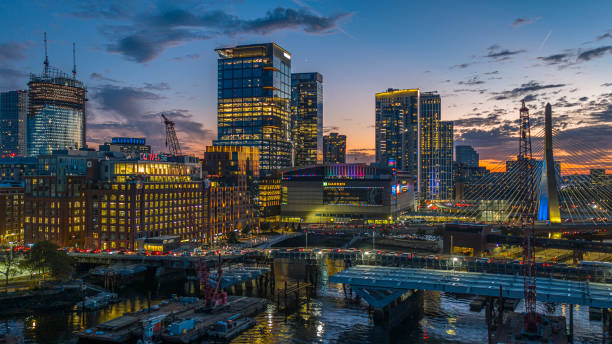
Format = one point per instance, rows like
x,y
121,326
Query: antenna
x,y
73,61
46,57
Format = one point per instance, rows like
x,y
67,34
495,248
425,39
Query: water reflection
x,y
328,318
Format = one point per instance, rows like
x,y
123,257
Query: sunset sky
x,y
140,58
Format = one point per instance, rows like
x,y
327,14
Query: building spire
x,y
73,61
46,57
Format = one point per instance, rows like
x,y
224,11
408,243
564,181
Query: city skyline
x,y
140,59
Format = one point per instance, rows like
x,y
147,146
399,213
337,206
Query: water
x,y
329,318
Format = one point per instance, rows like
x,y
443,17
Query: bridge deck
x,y
548,289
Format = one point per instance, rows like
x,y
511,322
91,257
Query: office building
x,y
307,118
410,137
226,161
11,212
13,120
56,118
467,156
397,118
334,149
128,145
254,94
14,169
345,193
445,156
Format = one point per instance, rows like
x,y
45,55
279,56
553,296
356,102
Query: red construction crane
x,y
172,141
527,199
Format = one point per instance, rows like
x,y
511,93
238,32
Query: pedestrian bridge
x,y
379,284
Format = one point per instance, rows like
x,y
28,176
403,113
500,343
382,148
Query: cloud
x,y
160,86
524,89
556,59
123,100
12,51
594,53
461,66
150,35
524,21
11,78
331,129
497,54
605,35
472,81
477,120
607,84
98,76
361,155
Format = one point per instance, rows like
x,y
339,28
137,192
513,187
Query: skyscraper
x,y
467,156
307,118
334,149
13,119
397,113
254,94
56,119
410,137
445,154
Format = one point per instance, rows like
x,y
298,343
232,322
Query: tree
x,y
45,257
9,268
232,238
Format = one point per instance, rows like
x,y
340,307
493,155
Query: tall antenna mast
x,y
46,57
73,61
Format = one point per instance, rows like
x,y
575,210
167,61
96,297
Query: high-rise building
x,y
13,119
227,161
334,149
307,118
397,113
128,145
254,94
56,118
467,156
445,155
11,212
410,137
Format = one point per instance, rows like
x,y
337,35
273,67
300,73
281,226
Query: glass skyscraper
x,y
467,156
334,149
254,94
13,119
410,137
307,118
397,113
56,119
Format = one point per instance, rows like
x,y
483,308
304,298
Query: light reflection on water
x,y
329,318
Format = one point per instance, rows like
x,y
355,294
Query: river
x,y
328,318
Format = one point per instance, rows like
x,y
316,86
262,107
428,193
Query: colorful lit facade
x,y
334,149
254,94
445,156
307,118
13,120
56,118
345,193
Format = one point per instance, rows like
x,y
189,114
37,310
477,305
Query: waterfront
x,y
329,318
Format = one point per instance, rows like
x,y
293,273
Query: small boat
x,y
231,327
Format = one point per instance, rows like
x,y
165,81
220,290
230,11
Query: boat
x,y
231,327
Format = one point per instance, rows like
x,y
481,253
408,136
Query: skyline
x,y
140,59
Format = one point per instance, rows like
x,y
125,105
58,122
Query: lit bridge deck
x,y
372,278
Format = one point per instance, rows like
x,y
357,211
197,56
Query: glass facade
x,y
254,93
56,118
467,156
334,149
13,115
397,114
307,118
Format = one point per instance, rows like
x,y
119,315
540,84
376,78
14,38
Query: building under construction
x,y
56,118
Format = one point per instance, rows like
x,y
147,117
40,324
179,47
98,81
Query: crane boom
x,y
172,141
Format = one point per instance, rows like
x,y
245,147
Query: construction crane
x,y
527,189
172,141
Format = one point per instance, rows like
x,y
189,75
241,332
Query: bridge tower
x,y
549,198
527,203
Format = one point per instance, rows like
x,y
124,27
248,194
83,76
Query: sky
x,y
141,58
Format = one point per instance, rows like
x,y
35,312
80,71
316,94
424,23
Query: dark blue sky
x,y
139,58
